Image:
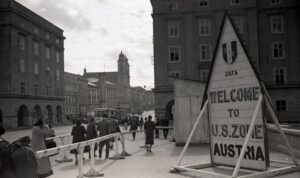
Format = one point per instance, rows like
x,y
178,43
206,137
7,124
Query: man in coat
x,y
92,133
134,123
104,129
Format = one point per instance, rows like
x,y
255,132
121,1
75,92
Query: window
x,y
174,74
22,65
234,2
173,29
239,23
22,42
275,2
35,30
279,75
203,3
277,24
204,27
204,74
35,48
57,41
47,35
173,5
174,53
57,56
281,105
36,68
278,50
57,91
57,75
36,89
205,52
22,88
47,71
47,90
47,52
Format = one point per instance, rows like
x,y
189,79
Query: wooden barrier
x,y
80,147
64,139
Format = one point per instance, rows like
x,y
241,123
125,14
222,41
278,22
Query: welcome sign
x,y
233,93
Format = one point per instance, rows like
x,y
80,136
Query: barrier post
x,y
80,162
117,156
92,172
65,157
123,153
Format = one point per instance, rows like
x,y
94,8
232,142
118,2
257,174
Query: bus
x,y
116,113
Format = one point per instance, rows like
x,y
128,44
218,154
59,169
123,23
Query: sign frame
x,y
264,96
228,19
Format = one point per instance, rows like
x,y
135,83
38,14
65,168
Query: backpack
x,y
23,159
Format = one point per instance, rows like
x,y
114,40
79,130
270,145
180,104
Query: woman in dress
x,y
39,132
78,133
149,130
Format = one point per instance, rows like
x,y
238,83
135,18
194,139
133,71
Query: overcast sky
x,y
97,30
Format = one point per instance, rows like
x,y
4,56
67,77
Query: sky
x,y
97,30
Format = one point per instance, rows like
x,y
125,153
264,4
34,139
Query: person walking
x,y
141,123
156,123
165,123
78,132
134,126
91,133
39,132
6,165
149,130
103,128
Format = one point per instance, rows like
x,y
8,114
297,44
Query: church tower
x,y
123,70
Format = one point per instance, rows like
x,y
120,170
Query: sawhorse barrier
x,y
65,139
80,148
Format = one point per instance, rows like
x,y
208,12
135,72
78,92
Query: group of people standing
x,y
104,127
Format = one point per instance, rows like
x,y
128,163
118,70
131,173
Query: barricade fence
x,y
65,149
64,139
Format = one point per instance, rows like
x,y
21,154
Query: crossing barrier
x,y
64,140
124,152
80,147
169,128
65,149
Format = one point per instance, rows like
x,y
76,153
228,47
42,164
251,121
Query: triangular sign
x,y
233,91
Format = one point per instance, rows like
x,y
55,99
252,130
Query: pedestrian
x,y
6,165
134,125
149,130
91,133
126,123
141,123
79,134
165,123
113,128
51,143
156,123
39,132
103,128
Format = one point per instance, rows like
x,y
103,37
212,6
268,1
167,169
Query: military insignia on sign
x,y
229,52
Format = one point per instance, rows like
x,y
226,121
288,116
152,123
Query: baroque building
x,y
114,86
185,36
31,67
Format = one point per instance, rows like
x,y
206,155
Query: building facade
x,y
31,67
114,86
185,37
76,95
141,100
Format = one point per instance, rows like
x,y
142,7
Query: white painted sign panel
x,y
233,92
